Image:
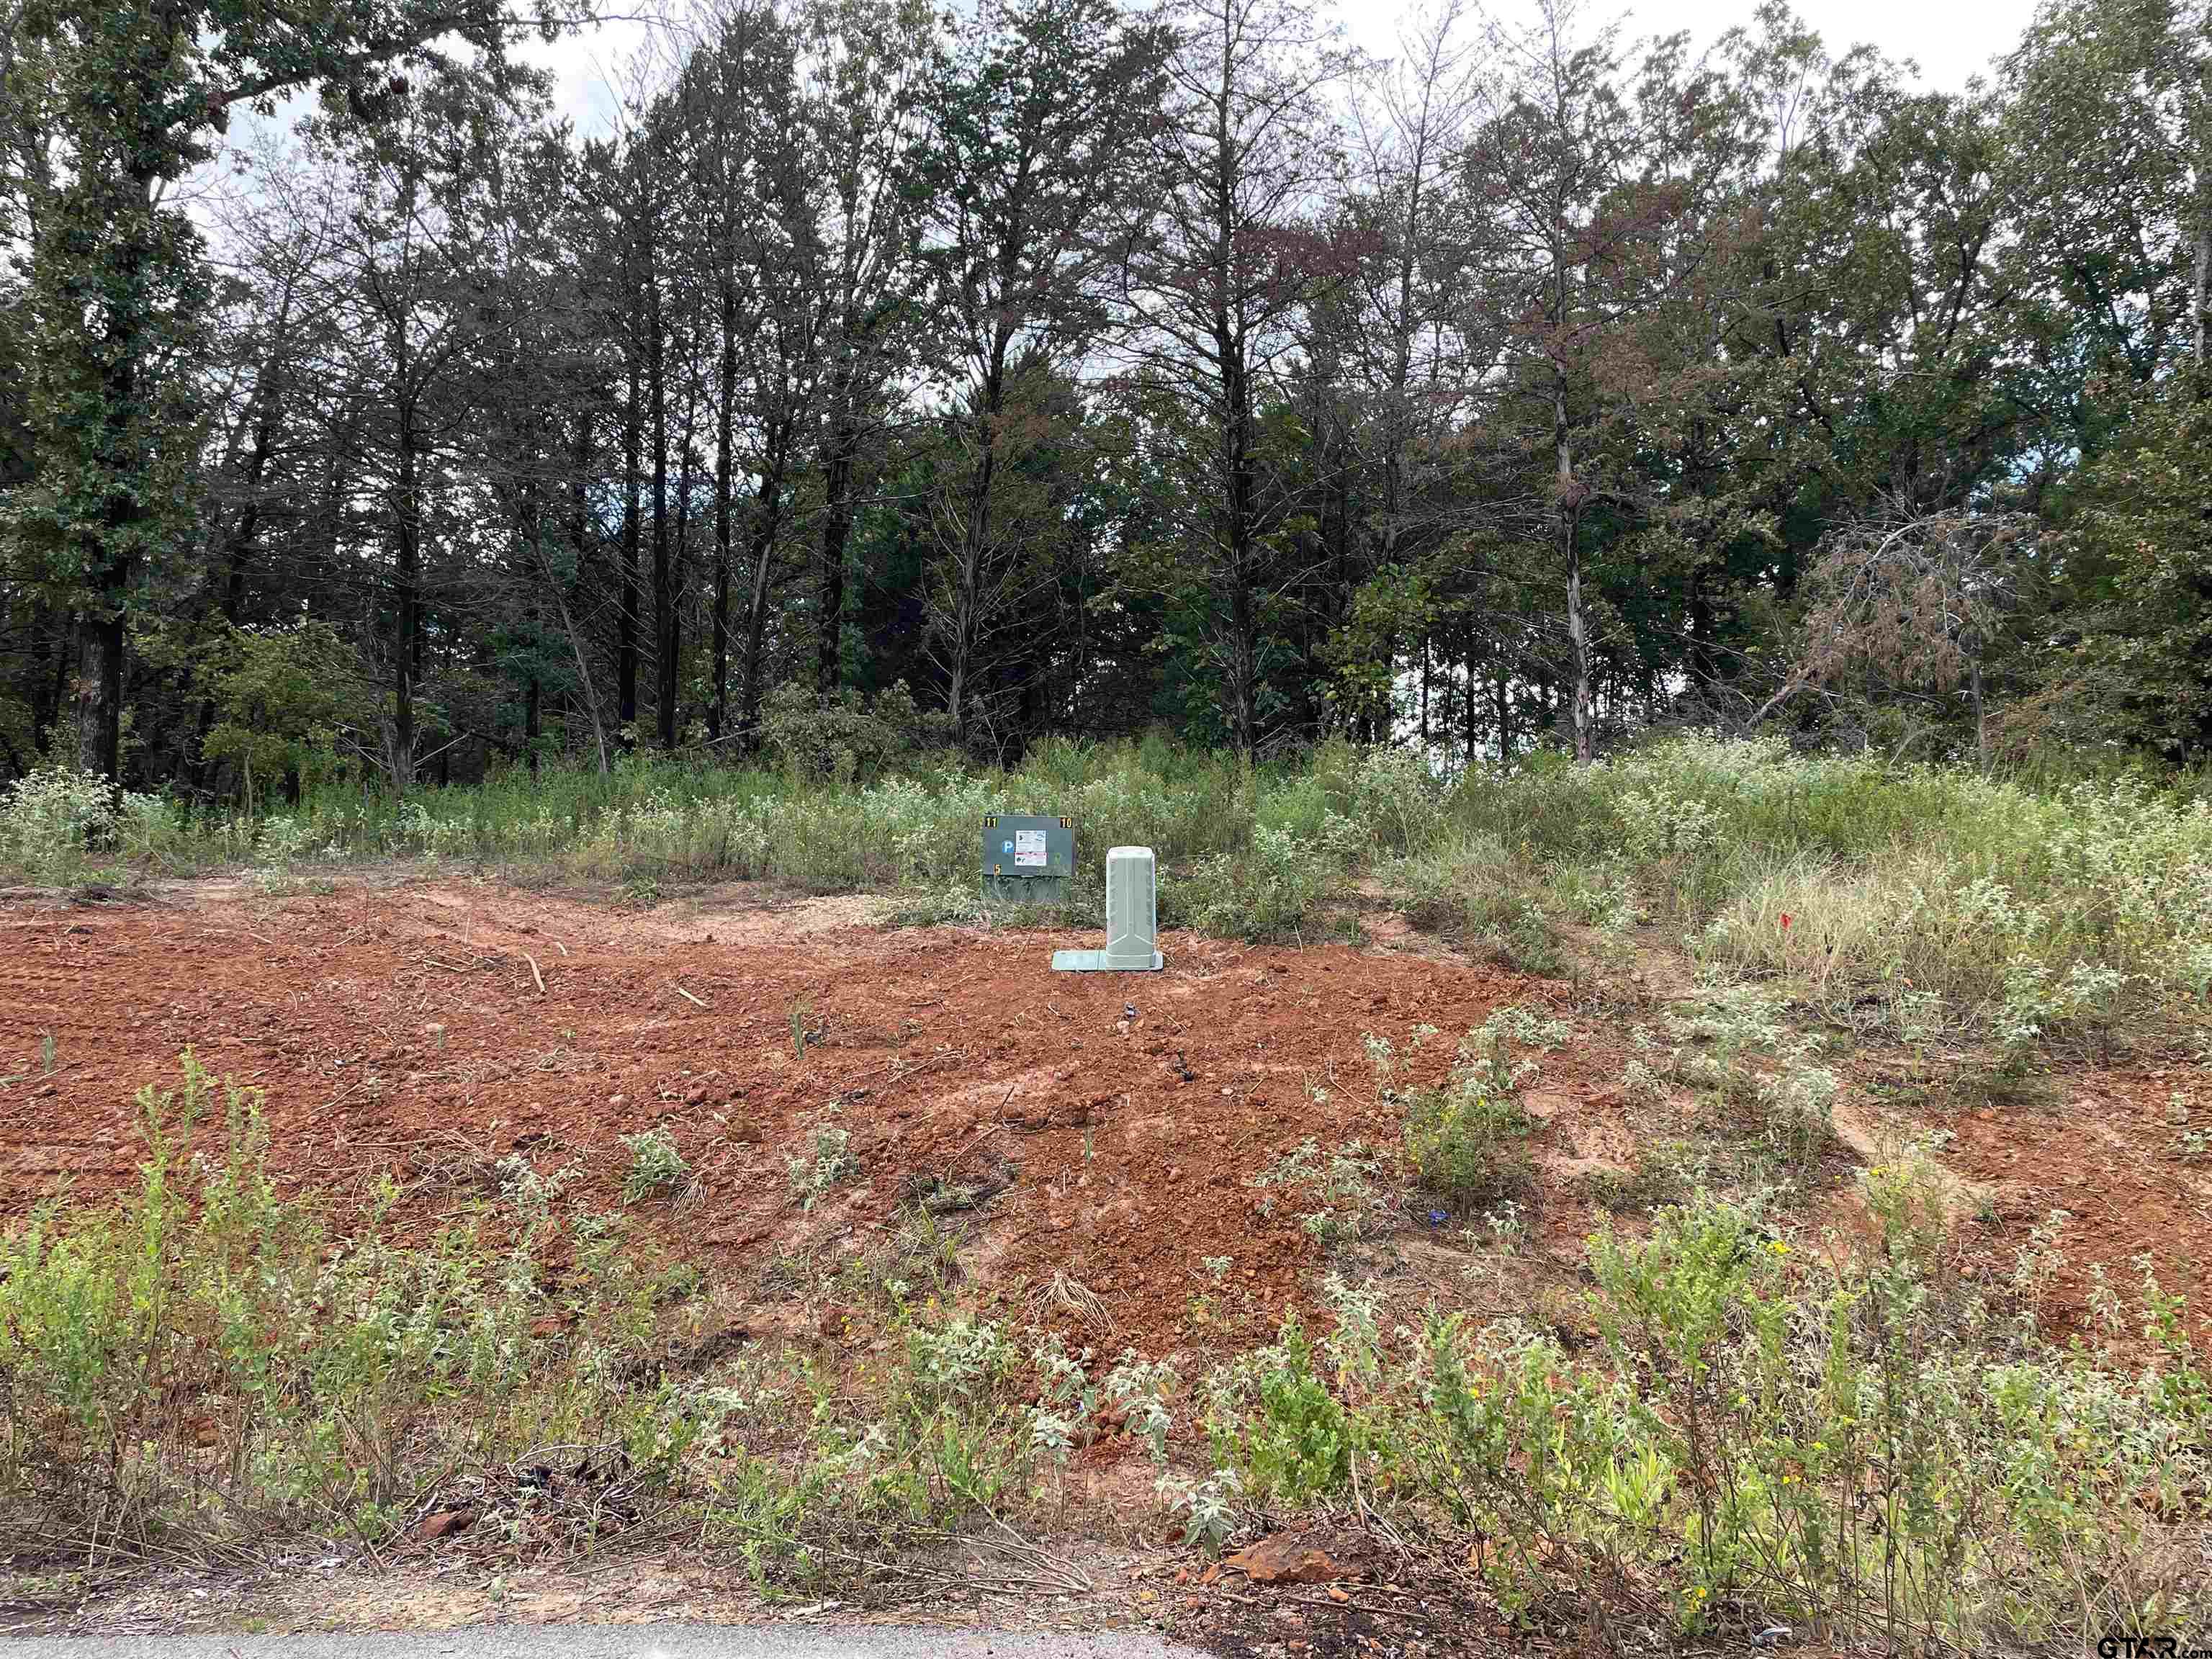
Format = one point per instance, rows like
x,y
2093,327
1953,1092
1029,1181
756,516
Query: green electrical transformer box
x,y
1029,858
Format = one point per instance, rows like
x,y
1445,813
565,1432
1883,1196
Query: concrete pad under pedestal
x,y
1105,962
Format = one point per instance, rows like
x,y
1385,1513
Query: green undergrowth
x,y
1845,1439
1741,1420
1466,1139
1928,899
1944,900
1732,1421
202,1370
203,1363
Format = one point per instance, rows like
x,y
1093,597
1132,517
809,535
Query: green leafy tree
x,y
1041,121
1603,195
2137,571
281,697
112,105
2108,151
863,109
1214,296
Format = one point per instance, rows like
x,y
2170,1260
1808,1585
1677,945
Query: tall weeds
x,y
202,1362
1998,905
1847,1440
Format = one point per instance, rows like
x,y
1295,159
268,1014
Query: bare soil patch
x,y
402,1031
399,1029
2108,1149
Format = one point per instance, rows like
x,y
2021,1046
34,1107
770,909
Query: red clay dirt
x,y
2105,1151
403,1030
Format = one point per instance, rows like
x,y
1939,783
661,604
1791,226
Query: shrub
x,y
1392,794
827,1163
1275,1423
948,1439
1467,1138
1274,890
655,1165
1849,1439
1208,1508
938,1436
1798,1112
280,695
52,822
202,1362
1469,892
1466,1145
835,737
1440,886
1788,1099
1340,1186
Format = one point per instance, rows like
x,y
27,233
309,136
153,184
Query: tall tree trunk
x,y
533,714
99,669
1468,712
718,710
579,527
974,541
407,569
1425,690
534,697
664,584
2203,282
767,509
109,561
584,682
718,707
1571,550
2201,286
626,613
245,525
55,649
672,642
1240,667
839,455
580,502
268,392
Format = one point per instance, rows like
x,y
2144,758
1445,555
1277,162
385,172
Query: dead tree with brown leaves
x,y
1913,604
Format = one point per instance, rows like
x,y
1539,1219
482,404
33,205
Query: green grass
x,y
655,1165
1841,876
1466,1139
1745,1423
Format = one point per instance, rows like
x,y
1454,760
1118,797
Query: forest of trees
x,y
1086,369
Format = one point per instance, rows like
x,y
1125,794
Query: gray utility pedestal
x,y
1028,859
1131,919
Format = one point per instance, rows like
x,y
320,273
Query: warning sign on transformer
x,y
1028,858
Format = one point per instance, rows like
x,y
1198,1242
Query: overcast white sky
x,y
1950,39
